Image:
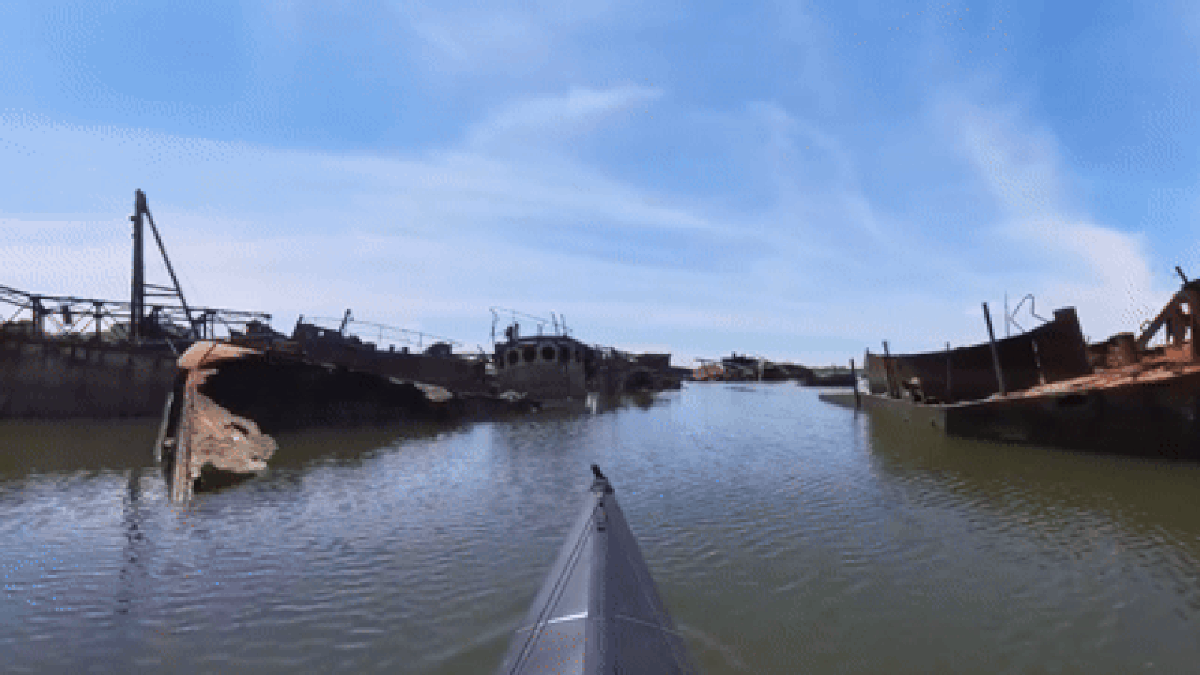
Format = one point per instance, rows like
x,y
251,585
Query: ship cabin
x,y
543,367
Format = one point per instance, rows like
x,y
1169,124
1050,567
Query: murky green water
x,y
787,536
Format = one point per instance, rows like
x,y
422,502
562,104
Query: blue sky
x,y
799,180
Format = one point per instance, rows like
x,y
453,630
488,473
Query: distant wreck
x,y
554,366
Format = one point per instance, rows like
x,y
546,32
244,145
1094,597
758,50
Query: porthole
x,y
529,354
578,356
500,363
548,353
513,356
564,355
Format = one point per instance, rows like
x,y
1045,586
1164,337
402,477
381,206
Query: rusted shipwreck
x,y
232,398
554,366
63,356
1049,387
436,364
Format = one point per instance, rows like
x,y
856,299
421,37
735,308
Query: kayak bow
x,y
598,612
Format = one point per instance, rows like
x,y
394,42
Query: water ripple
x,y
787,536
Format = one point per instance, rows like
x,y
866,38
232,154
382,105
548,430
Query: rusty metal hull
x,y
53,378
1150,419
452,372
1155,419
229,401
1050,353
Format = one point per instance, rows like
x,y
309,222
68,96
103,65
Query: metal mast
x,y
137,299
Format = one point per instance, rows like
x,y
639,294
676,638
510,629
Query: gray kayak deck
x,y
598,611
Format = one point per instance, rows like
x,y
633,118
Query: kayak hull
x,y
598,612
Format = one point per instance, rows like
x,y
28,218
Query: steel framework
x,y
40,316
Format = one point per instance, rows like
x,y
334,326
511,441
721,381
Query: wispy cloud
x,y
1104,271
463,38
553,120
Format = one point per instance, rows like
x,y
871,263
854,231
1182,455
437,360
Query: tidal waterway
x,y
786,536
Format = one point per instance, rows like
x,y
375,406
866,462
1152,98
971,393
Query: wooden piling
x,y
854,381
893,390
162,427
949,395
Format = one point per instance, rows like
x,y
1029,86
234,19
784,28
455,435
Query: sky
x,y
797,180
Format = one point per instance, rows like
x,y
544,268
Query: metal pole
x,y
987,316
1007,318
39,317
854,381
138,290
187,312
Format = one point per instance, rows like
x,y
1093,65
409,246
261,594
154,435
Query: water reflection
x,y
1042,483
349,447
1059,511
131,579
46,447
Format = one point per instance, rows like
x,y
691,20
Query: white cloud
x,y
554,119
1019,161
474,41
505,36
1104,272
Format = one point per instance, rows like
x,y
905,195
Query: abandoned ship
x,y
73,357
554,366
1048,386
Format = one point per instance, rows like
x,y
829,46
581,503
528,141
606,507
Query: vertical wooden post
x,y
987,316
887,371
162,425
949,390
181,479
854,381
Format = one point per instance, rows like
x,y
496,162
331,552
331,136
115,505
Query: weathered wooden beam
x,y
887,372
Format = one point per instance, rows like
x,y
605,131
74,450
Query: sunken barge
x,y
73,357
1049,387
